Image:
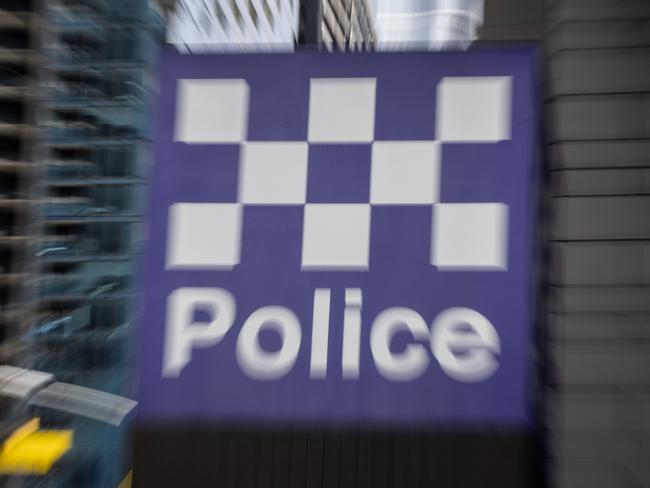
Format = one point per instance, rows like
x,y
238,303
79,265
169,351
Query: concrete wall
x,y
513,20
597,85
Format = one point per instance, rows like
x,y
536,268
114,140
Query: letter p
x,y
183,334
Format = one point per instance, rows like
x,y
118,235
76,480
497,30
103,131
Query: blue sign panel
x,y
342,238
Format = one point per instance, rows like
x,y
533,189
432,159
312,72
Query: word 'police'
x,y
463,341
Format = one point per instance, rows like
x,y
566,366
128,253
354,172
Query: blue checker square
x,y
260,240
339,173
278,115
200,173
399,241
410,116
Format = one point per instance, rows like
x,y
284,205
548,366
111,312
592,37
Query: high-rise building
x,y
90,180
197,25
20,65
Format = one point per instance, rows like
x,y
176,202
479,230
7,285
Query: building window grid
x,y
79,293
234,22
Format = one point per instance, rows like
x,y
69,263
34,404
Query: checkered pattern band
x,y
365,173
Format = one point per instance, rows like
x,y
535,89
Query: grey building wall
x,y
512,20
597,87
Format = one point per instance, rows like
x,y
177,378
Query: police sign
x,y
341,237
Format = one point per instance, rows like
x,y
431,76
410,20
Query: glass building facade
x,y
99,56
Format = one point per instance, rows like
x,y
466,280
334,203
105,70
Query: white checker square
x,y
405,173
474,109
273,173
212,111
204,235
470,236
342,110
336,236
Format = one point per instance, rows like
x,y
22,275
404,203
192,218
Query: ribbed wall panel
x,y
599,308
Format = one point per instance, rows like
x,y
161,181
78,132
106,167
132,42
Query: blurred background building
x,y
75,81
196,26
427,24
598,150
21,70
101,56
21,64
